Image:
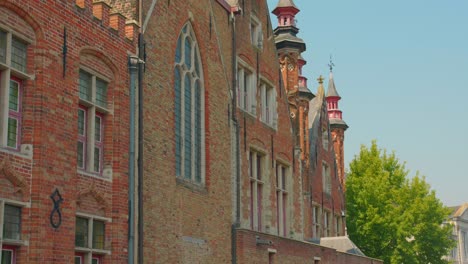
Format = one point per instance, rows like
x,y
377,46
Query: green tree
x,y
392,217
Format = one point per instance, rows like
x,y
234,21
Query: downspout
x,y
141,57
237,131
133,69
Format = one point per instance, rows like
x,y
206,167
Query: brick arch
x,y
247,59
24,16
283,156
17,180
256,142
99,56
90,195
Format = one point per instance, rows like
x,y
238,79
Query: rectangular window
x,y
338,226
98,234
18,54
81,232
316,221
12,222
256,36
90,237
327,223
13,56
268,103
246,93
91,117
3,46
256,191
281,199
7,256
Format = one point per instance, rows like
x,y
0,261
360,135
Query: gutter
x,y
133,62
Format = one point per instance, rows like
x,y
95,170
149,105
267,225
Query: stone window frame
x,y
256,32
326,178
7,244
189,67
327,223
93,110
283,186
268,103
316,221
257,160
89,253
246,88
9,73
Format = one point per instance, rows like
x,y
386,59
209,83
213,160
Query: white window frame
x,y
282,198
246,96
16,243
327,223
90,252
256,33
316,221
257,181
9,73
268,103
93,110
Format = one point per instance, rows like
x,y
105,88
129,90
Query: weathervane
x,y
331,65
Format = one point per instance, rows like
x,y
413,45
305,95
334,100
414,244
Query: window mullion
x,y
90,144
90,233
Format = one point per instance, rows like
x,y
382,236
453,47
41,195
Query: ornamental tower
x,y
289,48
337,125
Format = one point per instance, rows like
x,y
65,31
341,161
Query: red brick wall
x,y
290,251
50,103
185,223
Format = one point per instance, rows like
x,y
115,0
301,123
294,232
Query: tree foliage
x,y
393,217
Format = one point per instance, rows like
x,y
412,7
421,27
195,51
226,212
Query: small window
x,y
12,222
246,91
18,54
268,104
90,237
256,35
256,189
3,46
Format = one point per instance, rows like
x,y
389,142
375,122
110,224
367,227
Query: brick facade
x,y
46,159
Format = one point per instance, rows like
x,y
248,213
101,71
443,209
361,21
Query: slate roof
x,y
342,244
286,3
331,87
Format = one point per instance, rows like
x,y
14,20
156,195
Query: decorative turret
x,y
337,125
285,33
289,48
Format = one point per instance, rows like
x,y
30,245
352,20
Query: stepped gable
x,y
110,15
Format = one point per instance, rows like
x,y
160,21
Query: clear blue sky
x,y
402,72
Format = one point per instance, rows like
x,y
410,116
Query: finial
x,y
320,79
331,64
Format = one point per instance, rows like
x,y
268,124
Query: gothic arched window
x,y
189,108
